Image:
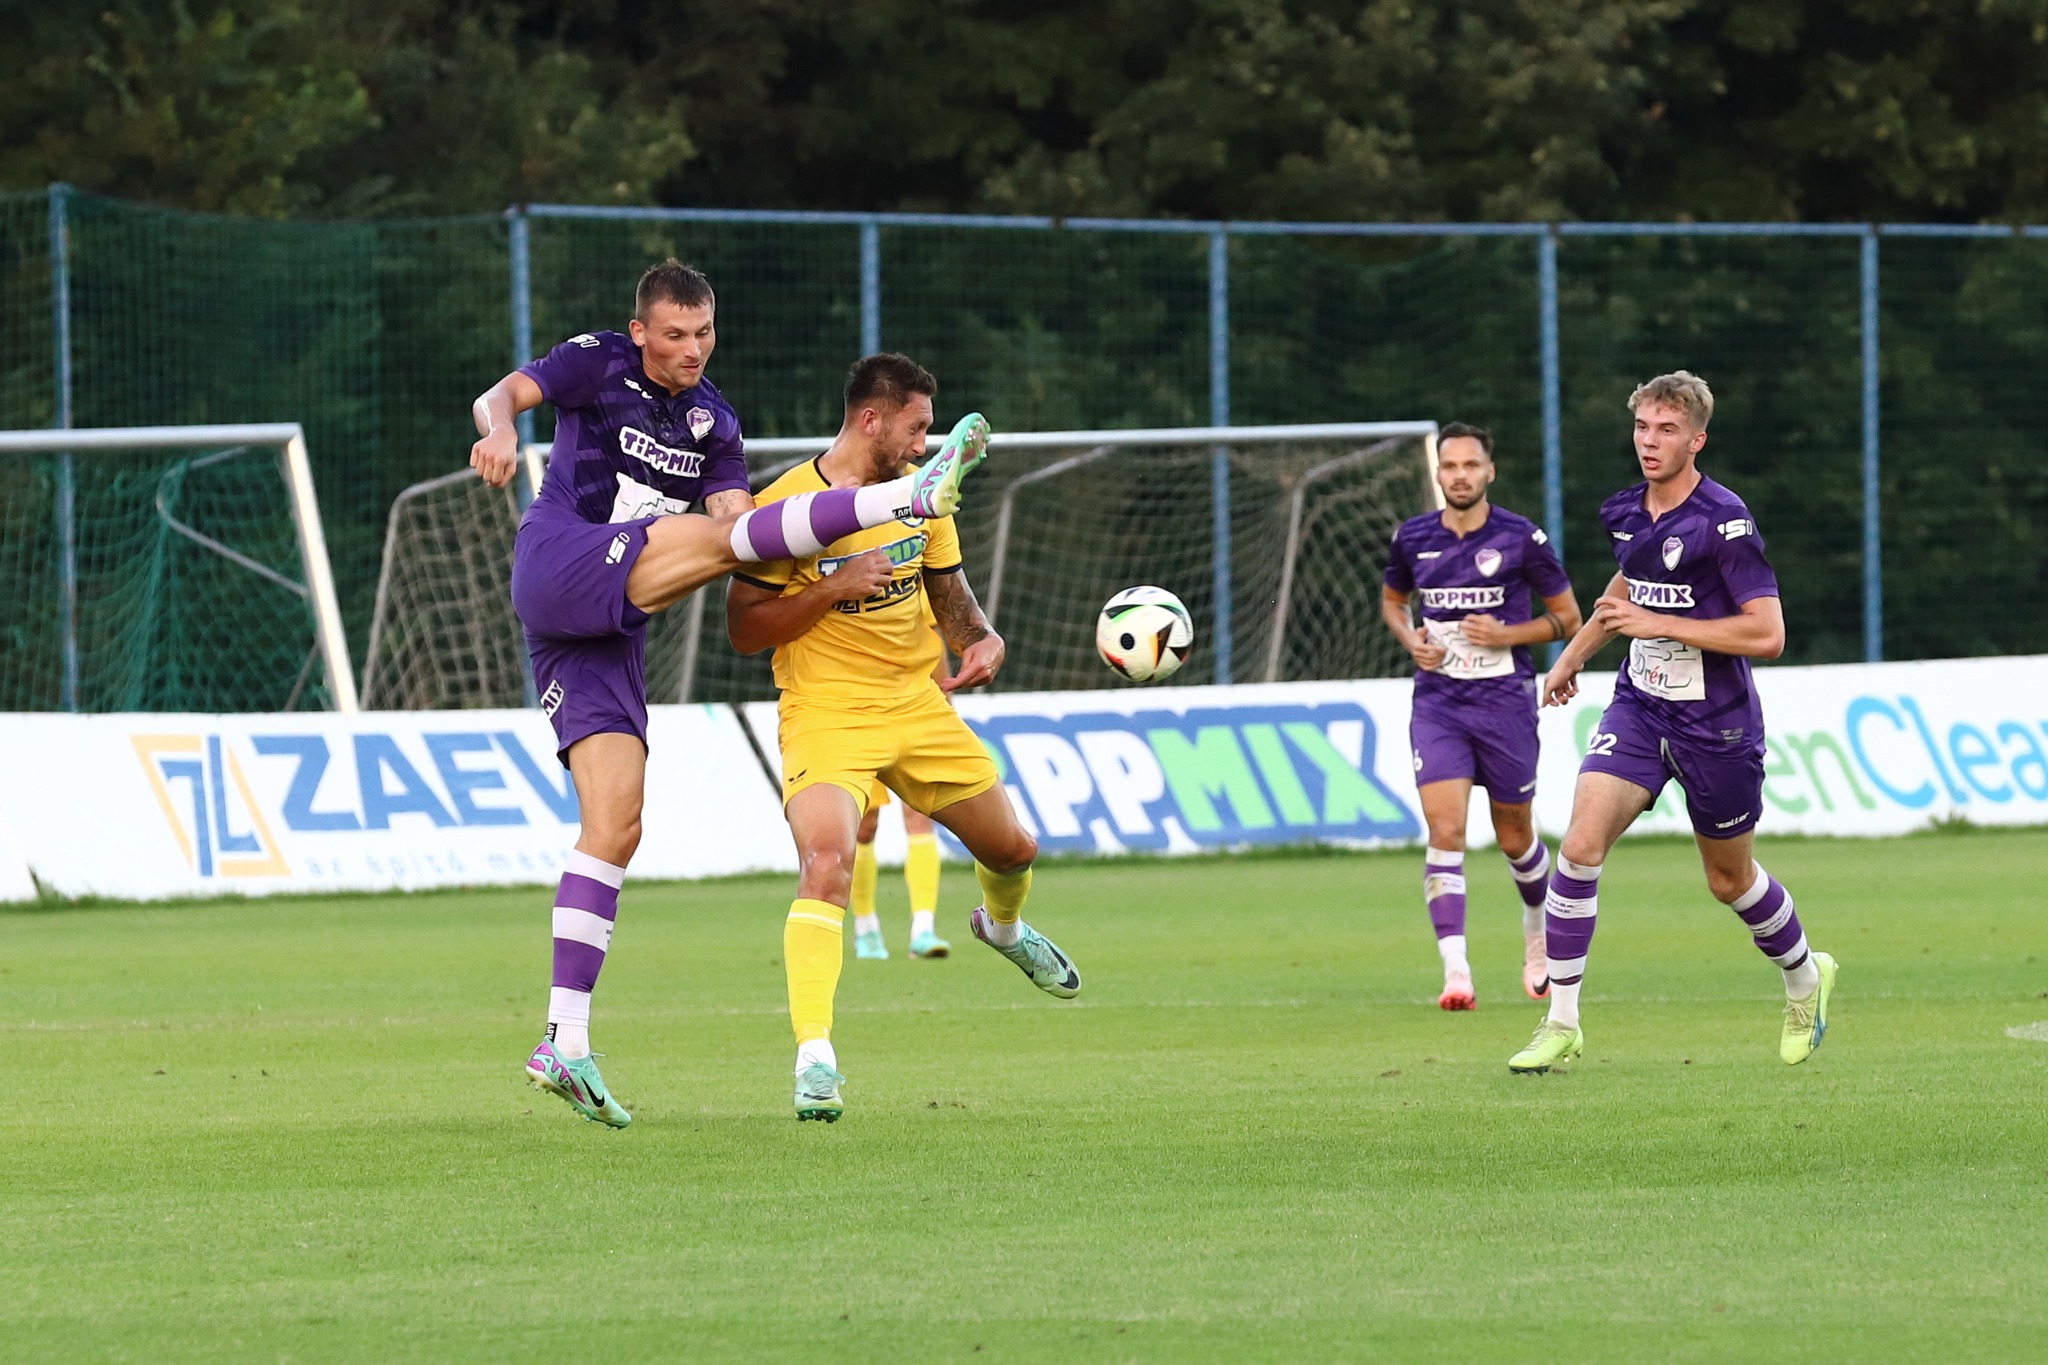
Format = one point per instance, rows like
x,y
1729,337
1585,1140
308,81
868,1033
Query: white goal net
x,y
1286,526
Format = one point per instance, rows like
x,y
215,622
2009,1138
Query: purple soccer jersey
x,y
1702,560
1490,570
626,448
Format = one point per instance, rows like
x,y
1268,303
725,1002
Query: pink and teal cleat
x,y
936,492
576,1080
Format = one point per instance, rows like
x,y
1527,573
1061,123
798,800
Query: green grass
x,y
294,1129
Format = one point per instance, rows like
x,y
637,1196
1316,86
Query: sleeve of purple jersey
x,y
725,463
1739,549
568,375
1400,576
1540,564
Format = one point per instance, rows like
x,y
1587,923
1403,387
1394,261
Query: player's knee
x,y
614,841
1447,835
826,874
1018,853
1512,830
1583,849
1727,885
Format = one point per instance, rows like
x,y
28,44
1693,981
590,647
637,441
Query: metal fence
x,y
1879,384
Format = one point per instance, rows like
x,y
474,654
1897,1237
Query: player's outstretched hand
x,y
1561,684
860,577
496,456
978,665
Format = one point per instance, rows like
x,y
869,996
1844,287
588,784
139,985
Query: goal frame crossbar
x,y
289,439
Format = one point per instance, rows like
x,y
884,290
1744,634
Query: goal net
x,y
1286,526
166,569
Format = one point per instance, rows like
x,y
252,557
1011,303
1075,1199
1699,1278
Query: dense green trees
x,y
1771,109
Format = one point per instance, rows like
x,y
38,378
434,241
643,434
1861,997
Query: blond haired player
x,y
854,661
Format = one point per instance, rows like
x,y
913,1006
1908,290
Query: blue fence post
x,y
1873,576
870,286
67,486
519,248
1219,456
1553,407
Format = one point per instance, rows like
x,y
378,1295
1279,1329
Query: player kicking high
x,y
854,660
640,434
1474,717
1697,600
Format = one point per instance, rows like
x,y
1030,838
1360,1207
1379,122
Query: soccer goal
x,y
179,568
1287,524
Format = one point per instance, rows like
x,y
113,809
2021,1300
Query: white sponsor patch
x,y
1488,561
655,455
1621,535
700,422
551,700
616,551
1462,658
1734,530
1659,596
1429,554
1667,669
2030,1033
1540,536
1673,549
635,500
583,339
1464,599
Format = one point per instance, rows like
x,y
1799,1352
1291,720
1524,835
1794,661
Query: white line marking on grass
x,y
2031,1033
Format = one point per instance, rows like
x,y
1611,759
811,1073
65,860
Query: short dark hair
x,y
671,282
887,379
1479,434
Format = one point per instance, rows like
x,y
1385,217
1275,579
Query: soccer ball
x,y
1144,634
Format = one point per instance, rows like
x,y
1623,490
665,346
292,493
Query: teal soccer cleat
x,y
936,492
870,946
817,1094
575,1080
929,944
1035,955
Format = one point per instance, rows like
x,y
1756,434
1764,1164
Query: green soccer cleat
x,y
576,1080
870,946
929,944
1806,1019
1035,955
1554,1048
817,1094
936,491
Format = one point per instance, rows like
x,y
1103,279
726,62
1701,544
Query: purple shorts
x,y
587,641
1492,744
1724,787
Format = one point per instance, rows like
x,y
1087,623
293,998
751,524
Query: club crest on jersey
x,y
700,422
1673,548
1488,561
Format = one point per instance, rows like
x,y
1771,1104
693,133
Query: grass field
x,y
295,1130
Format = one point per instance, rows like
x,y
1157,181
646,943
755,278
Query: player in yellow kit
x,y
920,869
854,661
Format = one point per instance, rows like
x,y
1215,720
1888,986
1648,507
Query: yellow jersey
x,y
876,653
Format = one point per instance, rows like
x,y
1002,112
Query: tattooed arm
x,y
963,627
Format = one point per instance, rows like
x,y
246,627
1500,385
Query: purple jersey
x,y
1702,560
1489,570
625,447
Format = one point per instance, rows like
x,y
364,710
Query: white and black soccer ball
x,y
1145,634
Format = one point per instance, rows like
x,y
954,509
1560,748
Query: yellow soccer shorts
x,y
921,750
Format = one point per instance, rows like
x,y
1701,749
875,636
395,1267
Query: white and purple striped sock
x,y
801,526
586,904
1531,871
1767,909
1443,891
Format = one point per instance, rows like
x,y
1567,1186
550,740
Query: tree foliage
x,y
1387,109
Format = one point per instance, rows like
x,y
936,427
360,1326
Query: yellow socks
x,y
811,949
1003,894
921,873
862,901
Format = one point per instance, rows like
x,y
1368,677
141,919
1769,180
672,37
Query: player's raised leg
x,y
1603,806
824,819
1003,851
609,771
1514,830
1444,804
1765,906
683,553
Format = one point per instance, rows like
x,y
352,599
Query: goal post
x,y
131,559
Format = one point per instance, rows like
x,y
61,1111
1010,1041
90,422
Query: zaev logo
x,y
224,823
1209,777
